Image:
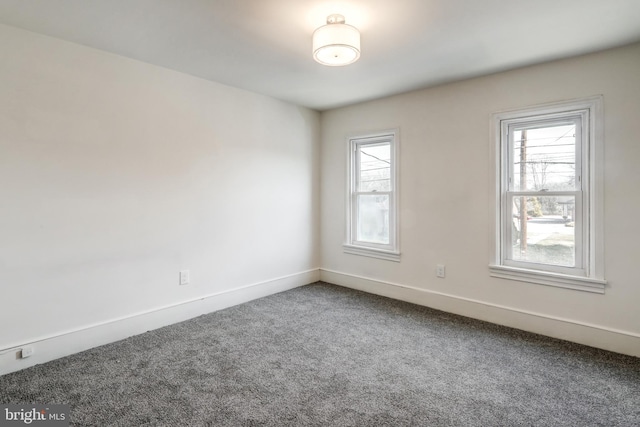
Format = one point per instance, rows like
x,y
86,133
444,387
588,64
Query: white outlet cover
x,y
184,277
26,352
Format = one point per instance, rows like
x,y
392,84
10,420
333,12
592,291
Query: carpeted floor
x,y
325,355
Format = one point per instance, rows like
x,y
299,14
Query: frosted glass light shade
x,y
336,43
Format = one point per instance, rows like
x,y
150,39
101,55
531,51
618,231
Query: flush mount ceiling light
x,y
336,43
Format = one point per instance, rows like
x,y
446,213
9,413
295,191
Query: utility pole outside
x,y
523,187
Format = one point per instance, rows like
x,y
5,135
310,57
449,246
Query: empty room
x,y
322,213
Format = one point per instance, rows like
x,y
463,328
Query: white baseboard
x,y
83,338
618,341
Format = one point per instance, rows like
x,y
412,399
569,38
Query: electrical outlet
x,y
440,270
184,277
26,352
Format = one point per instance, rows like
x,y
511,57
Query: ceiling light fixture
x,y
336,43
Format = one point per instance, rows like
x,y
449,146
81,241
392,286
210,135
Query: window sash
x,y
356,215
580,249
358,162
511,126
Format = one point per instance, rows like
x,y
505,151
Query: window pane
x,y
375,168
544,158
543,230
373,218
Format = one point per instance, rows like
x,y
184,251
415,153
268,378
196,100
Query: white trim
x,y
371,252
592,163
548,278
611,339
64,343
595,158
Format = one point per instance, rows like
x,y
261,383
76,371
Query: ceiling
x,y
265,45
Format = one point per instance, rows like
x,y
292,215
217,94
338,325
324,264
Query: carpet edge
x,y
597,336
65,343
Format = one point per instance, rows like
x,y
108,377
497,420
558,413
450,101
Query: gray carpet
x,y
325,355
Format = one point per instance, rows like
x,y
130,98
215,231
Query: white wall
x,y
445,171
116,174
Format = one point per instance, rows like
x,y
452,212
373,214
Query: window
x,y
372,220
548,206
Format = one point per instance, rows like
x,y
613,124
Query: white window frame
x,y
588,274
391,251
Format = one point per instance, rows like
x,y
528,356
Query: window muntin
x,y
372,218
548,195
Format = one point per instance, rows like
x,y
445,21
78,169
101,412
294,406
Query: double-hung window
x,y
548,202
372,219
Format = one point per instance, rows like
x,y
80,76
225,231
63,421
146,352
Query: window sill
x,y
550,279
371,252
